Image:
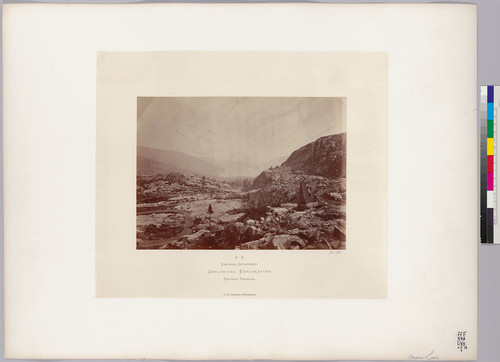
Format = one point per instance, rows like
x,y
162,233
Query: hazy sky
x,y
241,129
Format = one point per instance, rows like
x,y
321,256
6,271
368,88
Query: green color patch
x,y
490,129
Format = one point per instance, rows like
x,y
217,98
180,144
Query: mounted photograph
x,y
241,173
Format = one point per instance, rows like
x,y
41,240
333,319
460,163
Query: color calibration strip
x,y
489,102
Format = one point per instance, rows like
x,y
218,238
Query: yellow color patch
x,y
489,147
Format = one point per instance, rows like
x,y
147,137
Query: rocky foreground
x,y
184,223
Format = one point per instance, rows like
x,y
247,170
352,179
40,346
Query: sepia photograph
x,y
241,173
209,172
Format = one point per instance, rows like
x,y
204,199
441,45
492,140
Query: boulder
x,y
193,237
296,216
200,227
334,243
339,230
235,234
252,232
251,245
325,243
303,224
316,222
296,241
281,241
240,227
289,205
206,226
264,243
215,227
285,241
175,245
196,240
312,234
335,196
280,211
321,246
331,213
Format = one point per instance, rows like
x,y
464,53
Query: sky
x,y
252,130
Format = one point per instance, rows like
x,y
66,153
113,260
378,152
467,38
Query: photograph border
x,y
361,77
229,173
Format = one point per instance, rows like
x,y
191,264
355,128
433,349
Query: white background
x,y
490,251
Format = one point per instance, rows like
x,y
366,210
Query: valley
x,y
300,204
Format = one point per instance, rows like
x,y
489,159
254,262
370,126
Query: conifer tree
x,y
210,212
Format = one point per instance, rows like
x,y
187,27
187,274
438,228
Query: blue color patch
x,y
490,93
491,112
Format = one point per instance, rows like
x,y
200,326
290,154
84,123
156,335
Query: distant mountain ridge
x,y
151,161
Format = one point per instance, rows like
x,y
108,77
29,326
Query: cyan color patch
x,y
491,112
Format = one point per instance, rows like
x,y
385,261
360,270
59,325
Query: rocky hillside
x,y
313,173
324,157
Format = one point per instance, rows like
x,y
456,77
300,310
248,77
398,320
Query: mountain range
x,y
151,161
325,156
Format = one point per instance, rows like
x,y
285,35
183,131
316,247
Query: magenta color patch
x,y
490,182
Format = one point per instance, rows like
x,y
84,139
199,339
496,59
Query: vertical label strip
x,y
490,134
483,165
